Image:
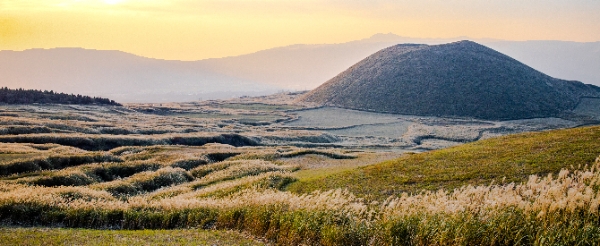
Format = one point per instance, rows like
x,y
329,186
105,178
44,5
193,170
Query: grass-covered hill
x,y
462,79
22,96
505,159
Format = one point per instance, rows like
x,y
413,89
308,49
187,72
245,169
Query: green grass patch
x,y
309,174
56,236
505,159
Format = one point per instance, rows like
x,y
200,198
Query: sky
x,y
200,29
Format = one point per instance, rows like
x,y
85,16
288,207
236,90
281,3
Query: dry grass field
x,y
201,173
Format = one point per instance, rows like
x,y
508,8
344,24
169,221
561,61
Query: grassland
x,y
135,172
58,236
501,160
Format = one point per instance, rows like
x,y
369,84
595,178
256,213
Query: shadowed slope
x,y
462,79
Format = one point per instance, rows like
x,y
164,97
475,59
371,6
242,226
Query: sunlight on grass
x,y
113,168
57,236
503,160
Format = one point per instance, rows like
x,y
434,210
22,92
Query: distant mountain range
x,y
120,76
130,78
304,67
463,79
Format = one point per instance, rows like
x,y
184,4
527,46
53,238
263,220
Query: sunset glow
x,y
113,1
191,30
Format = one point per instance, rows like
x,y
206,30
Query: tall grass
x,y
91,173
514,157
145,181
553,210
108,142
53,162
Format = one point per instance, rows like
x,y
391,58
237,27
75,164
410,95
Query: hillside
x,y
462,79
505,159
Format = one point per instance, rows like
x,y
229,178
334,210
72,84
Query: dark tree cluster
x,y
22,96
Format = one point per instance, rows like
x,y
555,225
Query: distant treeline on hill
x,y
22,96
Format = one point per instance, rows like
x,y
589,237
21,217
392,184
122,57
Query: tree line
x,y
22,96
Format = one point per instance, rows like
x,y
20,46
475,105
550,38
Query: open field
x,y
247,121
415,133
292,175
57,236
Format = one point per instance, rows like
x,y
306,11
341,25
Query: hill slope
x,y
514,157
458,79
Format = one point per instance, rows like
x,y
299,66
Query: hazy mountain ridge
x,y
306,66
288,66
119,75
559,59
462,79
130,78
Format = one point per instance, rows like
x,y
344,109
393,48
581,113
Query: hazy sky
x,y
198,29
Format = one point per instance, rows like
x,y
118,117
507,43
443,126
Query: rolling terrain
x,y
240,165
502,160
251,122
266,169
461,79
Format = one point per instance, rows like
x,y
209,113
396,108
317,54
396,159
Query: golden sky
x,y
199,29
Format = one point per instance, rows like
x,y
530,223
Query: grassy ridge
x,y
561,210
53,162
223,187
108,142
513,157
